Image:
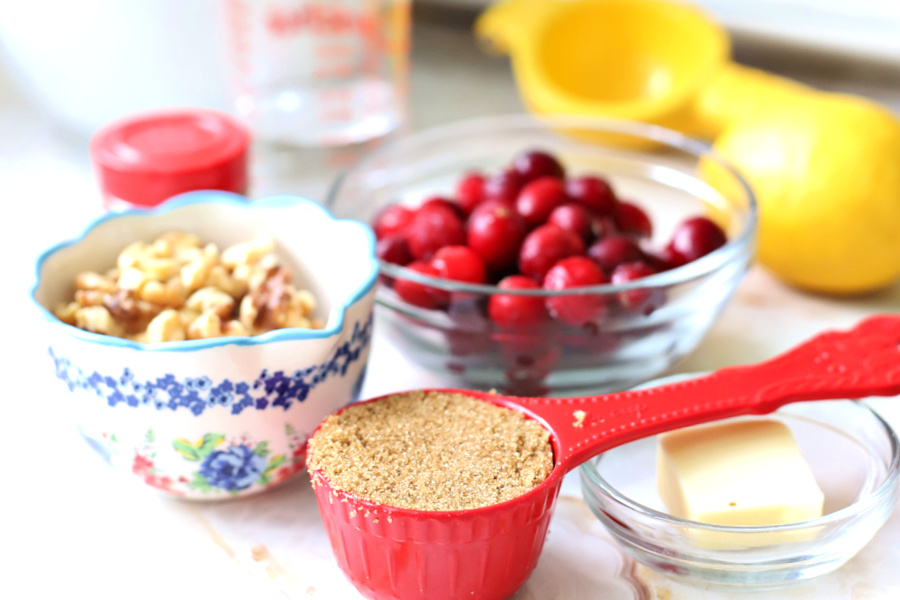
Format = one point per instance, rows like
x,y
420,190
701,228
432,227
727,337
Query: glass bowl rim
x,y
861,506
518,121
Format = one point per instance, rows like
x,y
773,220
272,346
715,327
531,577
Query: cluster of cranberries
x,y
529,227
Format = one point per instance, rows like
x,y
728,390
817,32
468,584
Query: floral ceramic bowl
x,y
215,418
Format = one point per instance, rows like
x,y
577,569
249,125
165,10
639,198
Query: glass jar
x,y
317,73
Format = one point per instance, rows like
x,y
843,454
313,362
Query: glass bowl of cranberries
x,y
548,255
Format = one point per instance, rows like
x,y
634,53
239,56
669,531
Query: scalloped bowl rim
x,y
669,137
212,197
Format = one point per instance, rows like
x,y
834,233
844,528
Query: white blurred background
x,y
69,66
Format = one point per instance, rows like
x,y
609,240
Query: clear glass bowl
x,y
854,455
655,167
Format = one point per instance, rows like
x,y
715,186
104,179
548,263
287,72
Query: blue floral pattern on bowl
x,y
236,466
224,464
268,390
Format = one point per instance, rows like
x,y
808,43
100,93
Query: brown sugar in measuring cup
x,y
432,451
486,553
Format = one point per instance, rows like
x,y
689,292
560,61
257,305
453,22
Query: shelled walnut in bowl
x,y
176,288
223,408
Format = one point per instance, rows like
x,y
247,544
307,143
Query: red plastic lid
x,y
148,158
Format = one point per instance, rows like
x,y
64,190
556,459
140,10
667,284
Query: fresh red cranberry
x,y
602,227
470,333
614,250
590,341
462,343
418,294
459,263
544,247
665,259
572,217
470,192
432,228
538,199
509,310
535,164
532,340
443,202
697,237
495,232
528,363
504,186
394,250
469,311
392,220
631,271
631,219
575,272
493,204
644,300
594,193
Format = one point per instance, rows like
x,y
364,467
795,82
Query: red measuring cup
x,y
487,553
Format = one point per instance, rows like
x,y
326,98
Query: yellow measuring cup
x,y
645,60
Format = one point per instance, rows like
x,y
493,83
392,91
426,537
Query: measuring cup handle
x,y
861,362
736,93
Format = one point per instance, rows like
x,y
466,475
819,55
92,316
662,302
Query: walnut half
x,y
175,288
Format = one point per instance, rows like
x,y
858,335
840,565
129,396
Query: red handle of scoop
x,y
861,362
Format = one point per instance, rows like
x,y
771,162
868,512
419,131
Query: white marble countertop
x,y
69,528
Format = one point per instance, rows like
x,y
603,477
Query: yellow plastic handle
x,y
737,93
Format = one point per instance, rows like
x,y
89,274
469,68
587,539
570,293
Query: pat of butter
x,y
743,473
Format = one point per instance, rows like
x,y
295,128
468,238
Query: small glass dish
x,y
667,314
854,455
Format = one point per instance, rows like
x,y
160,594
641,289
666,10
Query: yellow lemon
x,y
826,172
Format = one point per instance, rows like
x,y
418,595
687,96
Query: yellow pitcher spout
x,y
647,60
509,26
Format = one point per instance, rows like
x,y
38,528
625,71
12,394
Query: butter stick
x,y
742,473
